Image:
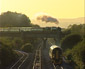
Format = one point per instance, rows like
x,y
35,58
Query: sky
x,y
55,8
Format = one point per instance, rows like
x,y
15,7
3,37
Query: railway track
x,y
40,60
57,67
20,62
46,61
64,65
37,60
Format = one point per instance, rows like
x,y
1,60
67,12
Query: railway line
x,y
19,63
25,61
54,67
46,61
38,60
64,65
42,60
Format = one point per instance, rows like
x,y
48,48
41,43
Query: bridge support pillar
x,y
44,42
57,41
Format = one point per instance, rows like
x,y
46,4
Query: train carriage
x,y
55,54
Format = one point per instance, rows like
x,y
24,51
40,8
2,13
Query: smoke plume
x,y
47,19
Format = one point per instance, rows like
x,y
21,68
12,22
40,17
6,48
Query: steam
x,y
47,19
44,20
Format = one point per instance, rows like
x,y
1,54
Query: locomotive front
x,y
55,54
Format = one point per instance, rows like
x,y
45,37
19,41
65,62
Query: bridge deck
x,y
30,34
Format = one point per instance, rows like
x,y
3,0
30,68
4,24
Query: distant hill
x,y
66,22
75,20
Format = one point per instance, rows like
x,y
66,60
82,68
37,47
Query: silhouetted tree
x,y
13,19
27,47
69,41
7,56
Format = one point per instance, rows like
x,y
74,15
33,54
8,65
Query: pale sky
x,y
56,8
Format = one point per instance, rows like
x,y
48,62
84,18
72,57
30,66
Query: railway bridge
x,y
31,33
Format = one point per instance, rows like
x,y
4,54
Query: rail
x,y
55,67
20,62
37,60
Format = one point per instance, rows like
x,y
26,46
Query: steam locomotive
x,y
55,54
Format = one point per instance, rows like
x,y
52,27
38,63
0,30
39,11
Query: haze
x,y
55,8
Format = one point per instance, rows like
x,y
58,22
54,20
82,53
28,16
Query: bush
x,y
76,55
27,47
7,55
69,41
79,53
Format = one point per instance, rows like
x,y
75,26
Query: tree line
x,y
73,44
8,45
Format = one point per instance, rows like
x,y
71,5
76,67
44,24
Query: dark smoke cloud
x,y
47,19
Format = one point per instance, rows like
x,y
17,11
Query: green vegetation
x,y
7,55
27,47
13,19
73,44
78,53
78,29
8,45
15,42
70,40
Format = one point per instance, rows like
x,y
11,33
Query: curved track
x,y
20,62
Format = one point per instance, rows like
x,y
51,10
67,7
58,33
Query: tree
x,y
78,53
27,47
69,41
13,19
78,29
17,42
74,46
7,55
36,26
